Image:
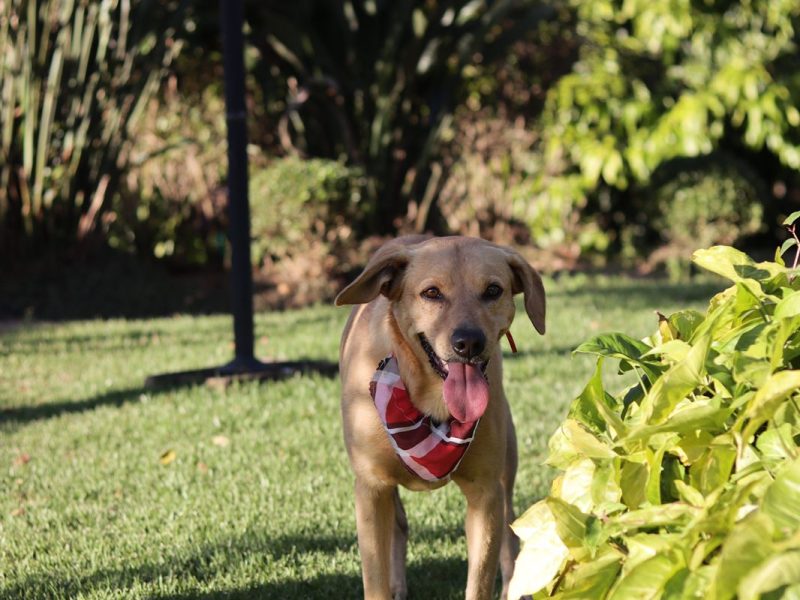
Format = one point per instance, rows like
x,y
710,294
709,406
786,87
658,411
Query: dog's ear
x,y
382,275
528,281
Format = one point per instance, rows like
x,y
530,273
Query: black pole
x,y
232,13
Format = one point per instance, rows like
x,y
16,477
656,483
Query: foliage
x,y
376,83
706,205
695,203
171,202
486,180
302,214
659,79
75,76
686,484
292,198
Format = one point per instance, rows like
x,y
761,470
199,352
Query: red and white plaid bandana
x,y
431,451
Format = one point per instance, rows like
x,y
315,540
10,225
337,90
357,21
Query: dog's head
x,y
452,299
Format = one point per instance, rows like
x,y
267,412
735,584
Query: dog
x,y
430,314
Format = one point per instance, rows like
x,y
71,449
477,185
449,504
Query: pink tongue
x,y
466,392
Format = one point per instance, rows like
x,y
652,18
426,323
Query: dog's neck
x,y
423,384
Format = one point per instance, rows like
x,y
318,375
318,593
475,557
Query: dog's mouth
x,y
466,389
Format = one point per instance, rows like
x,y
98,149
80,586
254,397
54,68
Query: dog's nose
x,y
468,343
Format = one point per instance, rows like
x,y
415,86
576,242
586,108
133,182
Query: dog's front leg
x,y
485,511
374,520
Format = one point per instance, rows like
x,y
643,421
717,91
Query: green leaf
x,y
701,414
748,544
686,322
633,481
673,351
690,494
542,554
643,546
653,489
788,307
594,408
605,489
674,385
772,574
734,264
767,399
689,584
666,515
791,218
572,436
575,485
622,347
776,444
714,466
570,522
786,245
782,499
590,579
649,578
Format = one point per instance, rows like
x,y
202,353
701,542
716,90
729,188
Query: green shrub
x,y
172,200
75,76
687,483
699,203
377,83
303,213
295,201
707,205
661,79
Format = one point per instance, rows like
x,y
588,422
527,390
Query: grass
x,y
109,490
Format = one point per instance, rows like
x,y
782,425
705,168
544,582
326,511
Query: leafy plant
x,y
660,79
376,83
171,201
292,198
686,484
74,76
696,203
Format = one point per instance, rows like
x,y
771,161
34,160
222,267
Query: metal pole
x,y
232,13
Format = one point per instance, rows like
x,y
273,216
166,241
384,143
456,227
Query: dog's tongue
x,y
466,392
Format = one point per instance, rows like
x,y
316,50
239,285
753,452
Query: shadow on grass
x,y
25,414
114,341
438,579
443,578
20,415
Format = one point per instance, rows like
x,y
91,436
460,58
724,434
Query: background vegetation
x,y
589,133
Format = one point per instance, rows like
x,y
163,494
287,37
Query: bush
x,y
301,211
377,83
294,199
687,483
75,77
172,200
695,204
662,79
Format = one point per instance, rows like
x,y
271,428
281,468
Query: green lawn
x,y
109,490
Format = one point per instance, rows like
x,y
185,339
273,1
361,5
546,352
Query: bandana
x,y
429,450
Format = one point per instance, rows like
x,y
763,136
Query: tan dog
x,y
440,306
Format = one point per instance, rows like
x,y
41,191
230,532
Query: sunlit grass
x,y
255,498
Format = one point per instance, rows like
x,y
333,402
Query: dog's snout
x,y
468,343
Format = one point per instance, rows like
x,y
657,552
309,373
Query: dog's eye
x,y
432,293
492,292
